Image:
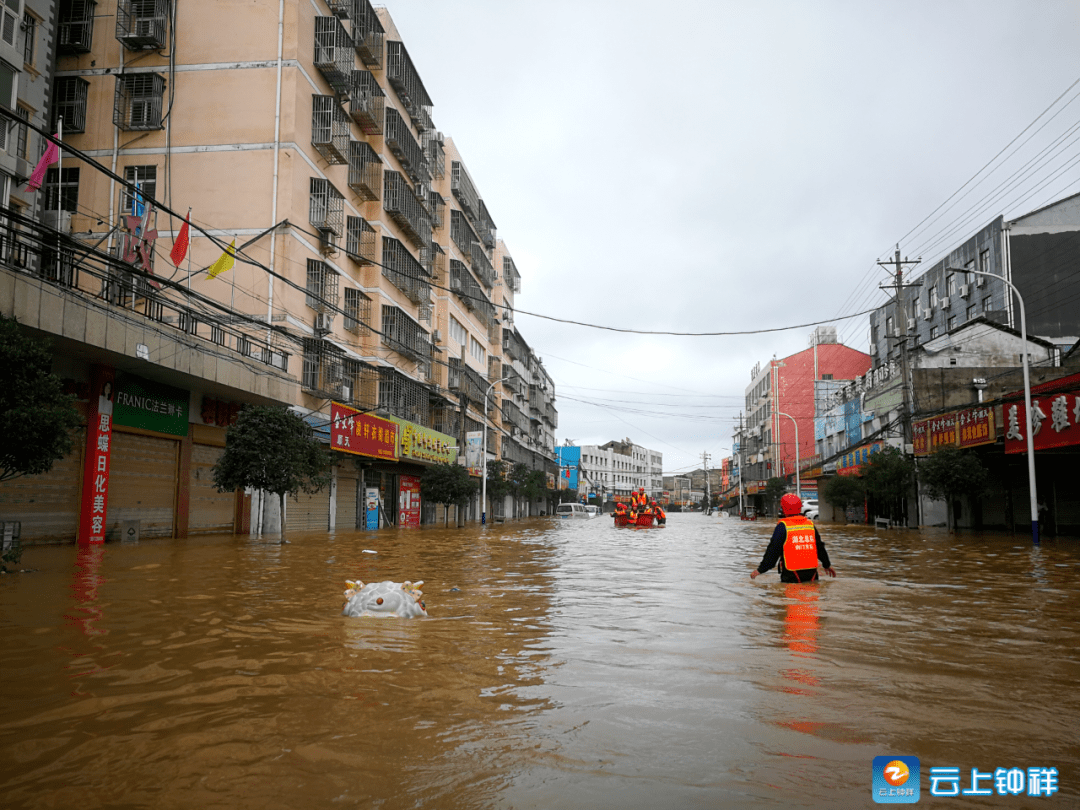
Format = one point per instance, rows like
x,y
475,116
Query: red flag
x,y
180,246
52,154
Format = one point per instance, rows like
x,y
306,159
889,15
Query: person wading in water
x,y
795,546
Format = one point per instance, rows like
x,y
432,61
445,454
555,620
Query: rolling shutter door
x,y
47,505
210,510
142,483
346,501
305,513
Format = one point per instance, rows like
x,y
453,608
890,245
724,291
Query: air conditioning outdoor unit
x,y
965,290
327,243
63,224
946,303
346,392
910,324
323,322
455,283
980,281
436,336
928,314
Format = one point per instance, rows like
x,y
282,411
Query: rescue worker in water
x,y
795,545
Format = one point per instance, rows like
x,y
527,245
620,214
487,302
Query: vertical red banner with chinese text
x,y
94,505
408,501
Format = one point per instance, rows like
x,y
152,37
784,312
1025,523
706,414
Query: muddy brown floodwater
x,y
565,665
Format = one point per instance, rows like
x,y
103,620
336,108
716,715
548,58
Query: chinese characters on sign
x,y
362,434
942,430
920,437
967,428
975,426
849,463
424,444
1055,422
95,493
408,501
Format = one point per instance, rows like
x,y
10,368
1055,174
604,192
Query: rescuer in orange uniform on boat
x,y
795,545
661,515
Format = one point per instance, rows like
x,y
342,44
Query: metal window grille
x,y
66,186
357,311
9,24
511,274
404,397
360,240
461,233
137,103
329,129
404,335
365,171
360,385
400,141
333,56
463,189
75,27
438,264
22,144
322,372
437,207
70,93
405,80
142,24
402,206
326,209
368,33
482,265
367,102
341,8
404,271
486,227
146,177
29,26
322,286
435,148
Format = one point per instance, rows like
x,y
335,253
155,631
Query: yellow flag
x,y
226,261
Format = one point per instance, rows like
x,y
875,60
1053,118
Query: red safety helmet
x,y
790,504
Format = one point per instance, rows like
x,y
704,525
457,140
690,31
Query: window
x,y
969,277
137,102
75,26
29,26
916,307
986,304
933,297
476,349
67,186
9,25
933,332
145,177
69,103
984,260
890,326
952,322
826,376
22,143
457,331
322,286
972,311
950,281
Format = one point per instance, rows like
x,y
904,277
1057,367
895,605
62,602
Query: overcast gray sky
x,y
694,166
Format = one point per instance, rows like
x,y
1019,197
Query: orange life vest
x,y
800,546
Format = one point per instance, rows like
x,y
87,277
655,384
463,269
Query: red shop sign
x,y
1056,422
362,434
975,426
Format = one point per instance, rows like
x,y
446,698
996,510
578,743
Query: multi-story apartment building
x,y
780,406
361,264
615,469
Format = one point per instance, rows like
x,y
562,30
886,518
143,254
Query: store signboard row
x,y
968,427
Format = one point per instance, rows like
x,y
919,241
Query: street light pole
x,y
798,488
483,456
1030,439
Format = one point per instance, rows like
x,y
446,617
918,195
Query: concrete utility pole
x,y
708,493
901,317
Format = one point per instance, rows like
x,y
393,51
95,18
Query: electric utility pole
x,y
901,317
708,493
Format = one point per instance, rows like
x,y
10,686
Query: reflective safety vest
x,y
800,546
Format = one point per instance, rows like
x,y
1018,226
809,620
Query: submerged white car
x,y
569,511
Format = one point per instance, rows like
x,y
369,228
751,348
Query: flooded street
x,y
565,665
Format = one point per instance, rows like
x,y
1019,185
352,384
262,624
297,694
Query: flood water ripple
x,y
564,665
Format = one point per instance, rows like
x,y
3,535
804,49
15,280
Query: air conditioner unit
x,y
980,281
327,243
436,336
455,283
965,290
873,348
324,322
910,324
63,224
928,314
946,303
346,392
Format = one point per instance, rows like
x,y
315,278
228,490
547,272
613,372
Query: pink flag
x,y
52,154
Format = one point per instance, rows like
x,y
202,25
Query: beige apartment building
x,y
367,270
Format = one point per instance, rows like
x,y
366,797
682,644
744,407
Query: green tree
x,y
448,484
889,476
844,492
36,416
949,473
272,449
774,489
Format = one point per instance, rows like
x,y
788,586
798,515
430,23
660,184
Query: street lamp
x,y
1027,399
798,489
483,457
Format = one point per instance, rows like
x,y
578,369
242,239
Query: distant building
x,y
614,470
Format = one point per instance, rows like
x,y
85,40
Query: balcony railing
x,y
404,335
514,346
465,379
405,272
365,171
322,372
436,153
482,265
367,102
461,233
461,185
402,206
368,34
403,77
437,207
329,129
486,227
101,280
333,56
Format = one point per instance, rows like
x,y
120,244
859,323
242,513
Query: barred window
x,y
145,177
66,186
